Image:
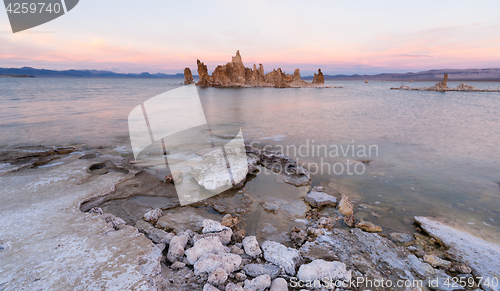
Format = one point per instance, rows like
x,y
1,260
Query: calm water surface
x,y
437,152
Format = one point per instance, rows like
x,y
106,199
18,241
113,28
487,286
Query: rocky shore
x,y
235,74
47,243
442,86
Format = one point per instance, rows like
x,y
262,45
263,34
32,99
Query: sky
x,y
340,37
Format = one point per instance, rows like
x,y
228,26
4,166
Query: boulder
x,y
158,236
255,270
184,218
211,226
230,221
279,284
251,246
210,245
326,222
437,262
258,284
317,270
368,226
218,277
113,221
153,215
209,287
345,205
350,220
233,287
281,255
177,265
210,262
176,247
223,236
320,199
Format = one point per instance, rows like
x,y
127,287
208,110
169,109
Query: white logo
x,y
173,126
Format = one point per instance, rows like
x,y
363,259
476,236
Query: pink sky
x,y
369,37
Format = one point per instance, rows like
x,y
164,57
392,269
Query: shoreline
x,y
321,239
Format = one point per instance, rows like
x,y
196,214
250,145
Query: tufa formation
x,y
235,74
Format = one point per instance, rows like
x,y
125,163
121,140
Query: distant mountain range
x,y
28,71
492,75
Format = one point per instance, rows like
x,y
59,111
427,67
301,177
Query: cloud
x,y
413,56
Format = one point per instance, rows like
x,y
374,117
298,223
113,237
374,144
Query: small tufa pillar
x,y
188,76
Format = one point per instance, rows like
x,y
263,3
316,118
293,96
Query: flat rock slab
x,y
52,245
255,270
320,199
481,256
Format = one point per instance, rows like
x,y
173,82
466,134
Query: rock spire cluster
x,y
235,74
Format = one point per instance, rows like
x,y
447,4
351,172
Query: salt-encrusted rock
x,y
481,256
233,287
218,277
153,215
211,262
251,246
462,269
210,226
368,226
314,232
229,221
350,220
297,236
255,270
326,222
281,255
319,269
96,210
258,284
279,284
209,287
313,250
188,76
113,221
240,276
402,238
289,169
158,236
224,236
210,245
237,250
176,247
437,262
184,218
320,199
345,205
177,265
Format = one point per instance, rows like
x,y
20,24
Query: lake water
x,y
432,153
